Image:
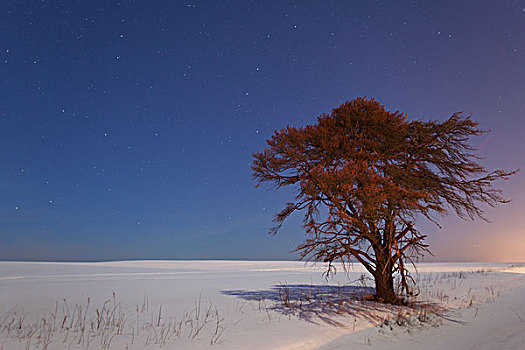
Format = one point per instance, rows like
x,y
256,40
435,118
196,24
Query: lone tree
x,y
363,174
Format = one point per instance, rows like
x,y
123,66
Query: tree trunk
x,y
385,287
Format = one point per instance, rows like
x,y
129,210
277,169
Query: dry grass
x,y
437,293
83,325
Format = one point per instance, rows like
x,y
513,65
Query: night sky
x,y
127,127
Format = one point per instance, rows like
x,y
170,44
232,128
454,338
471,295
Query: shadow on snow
x,y
317,302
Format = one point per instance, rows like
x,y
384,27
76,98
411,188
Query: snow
x,y
252,305
495,324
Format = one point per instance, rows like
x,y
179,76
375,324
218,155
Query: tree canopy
x,y
364,174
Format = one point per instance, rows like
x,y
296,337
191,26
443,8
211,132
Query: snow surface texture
x,y
253,305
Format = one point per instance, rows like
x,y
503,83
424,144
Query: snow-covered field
x,y
253,305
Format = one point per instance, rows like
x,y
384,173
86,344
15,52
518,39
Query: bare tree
x,y
363,174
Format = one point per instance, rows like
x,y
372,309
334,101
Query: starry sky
x,y
127,128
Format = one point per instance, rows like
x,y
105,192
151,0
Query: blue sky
x,y
127,128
